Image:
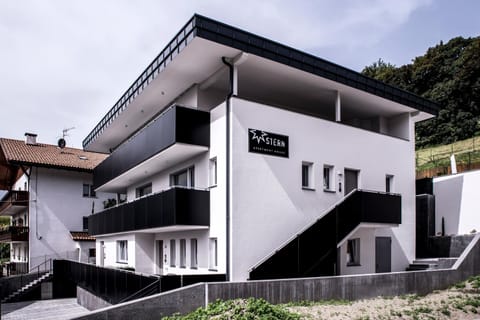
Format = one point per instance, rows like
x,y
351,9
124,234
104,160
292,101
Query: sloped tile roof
x,y
81,236
47,155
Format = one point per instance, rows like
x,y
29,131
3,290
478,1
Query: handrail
x,y
323,214
141,293
296,234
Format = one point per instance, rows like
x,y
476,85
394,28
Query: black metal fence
x,y
112,285
116,285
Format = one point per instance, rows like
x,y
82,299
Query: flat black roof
x,y
203,27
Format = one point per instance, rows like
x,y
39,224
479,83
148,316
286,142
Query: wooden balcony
x,y
13,202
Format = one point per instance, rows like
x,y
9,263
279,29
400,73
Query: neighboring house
x,y
456,203
239,155
49,193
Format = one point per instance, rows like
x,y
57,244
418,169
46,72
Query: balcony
x,y
176,135
13,234
177,208
13,202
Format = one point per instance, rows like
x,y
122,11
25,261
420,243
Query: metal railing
x,y
145,292
14,233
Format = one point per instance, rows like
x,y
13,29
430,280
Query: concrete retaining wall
x,y
89,300
183,300
11,284
355,287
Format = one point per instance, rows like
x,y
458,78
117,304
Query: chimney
x,y
30,138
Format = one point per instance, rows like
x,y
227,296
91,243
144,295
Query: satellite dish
x,y
61,143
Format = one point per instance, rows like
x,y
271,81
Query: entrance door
x,y
159,258
351,180
383,254
101,256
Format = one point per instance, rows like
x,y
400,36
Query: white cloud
x,y
64,63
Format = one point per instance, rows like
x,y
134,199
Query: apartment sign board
x,y
268,143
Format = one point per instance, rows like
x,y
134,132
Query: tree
x,y
448,74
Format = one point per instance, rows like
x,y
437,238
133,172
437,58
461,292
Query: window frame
x,y
183,253
353,258
328,178
190,182
213,170
88,191
143,190
389,180
307,175
122,251
173,253
193,253
213,254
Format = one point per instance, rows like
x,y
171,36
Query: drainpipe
x,y
228,156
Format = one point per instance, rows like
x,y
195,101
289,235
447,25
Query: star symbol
x,y
258,137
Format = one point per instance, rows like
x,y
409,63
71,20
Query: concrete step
x,y
26,287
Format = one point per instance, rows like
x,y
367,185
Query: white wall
x,y
269,205
56,208
143,244
456,200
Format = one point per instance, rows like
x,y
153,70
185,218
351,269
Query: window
x,y
388,183
307,175
213,255
173,253
183,178
353,252
183,253
328,183
213,172
92,252
143,190
122,251
88,190
193,254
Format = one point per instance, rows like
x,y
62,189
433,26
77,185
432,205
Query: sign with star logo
x,y
269,143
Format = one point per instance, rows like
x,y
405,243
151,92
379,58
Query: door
x,y
383,254
351,180
102,254
159,258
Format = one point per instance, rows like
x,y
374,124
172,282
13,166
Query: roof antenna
x,y
62,143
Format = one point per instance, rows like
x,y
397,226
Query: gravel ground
x,y
459,302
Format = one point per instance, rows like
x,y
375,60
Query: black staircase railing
x,y
145,292
313,252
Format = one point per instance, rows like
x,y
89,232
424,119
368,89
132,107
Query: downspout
x,y
39,237
228,169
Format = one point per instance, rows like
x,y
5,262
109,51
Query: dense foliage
x,y
250,309
448,74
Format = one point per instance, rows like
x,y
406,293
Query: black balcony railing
x,y
176,125
177,206
313,252
13,233
13,199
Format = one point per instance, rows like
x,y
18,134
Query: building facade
x,y
234,154
49,191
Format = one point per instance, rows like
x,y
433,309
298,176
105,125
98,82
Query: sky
x,y
64,64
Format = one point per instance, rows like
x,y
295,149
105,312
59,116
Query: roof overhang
x,y
194,55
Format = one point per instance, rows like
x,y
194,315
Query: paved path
x,y
42,310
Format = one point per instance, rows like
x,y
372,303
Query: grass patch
x,y
240,309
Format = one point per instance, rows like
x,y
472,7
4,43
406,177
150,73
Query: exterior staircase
x,y
313,251
431,264
16,295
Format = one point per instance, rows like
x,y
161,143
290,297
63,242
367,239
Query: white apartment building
x,y
49,192
238,155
